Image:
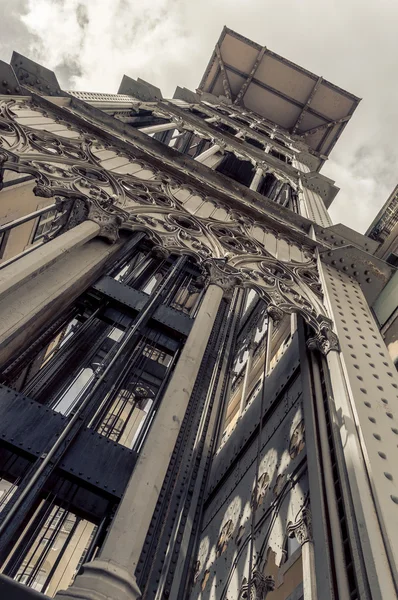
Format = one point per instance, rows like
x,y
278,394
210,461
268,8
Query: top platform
x,y
278,90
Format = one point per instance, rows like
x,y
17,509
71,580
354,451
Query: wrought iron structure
x,y
195,398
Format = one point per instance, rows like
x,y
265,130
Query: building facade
x,y
384,230
196,399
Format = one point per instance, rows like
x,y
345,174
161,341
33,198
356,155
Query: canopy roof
x,y
261,81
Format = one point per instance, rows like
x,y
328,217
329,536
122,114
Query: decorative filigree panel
x,y
259,495
120,190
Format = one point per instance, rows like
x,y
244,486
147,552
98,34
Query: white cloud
x,y
92,43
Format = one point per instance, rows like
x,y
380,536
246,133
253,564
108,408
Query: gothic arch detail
x,y
118,189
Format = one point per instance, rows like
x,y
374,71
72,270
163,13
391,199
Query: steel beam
x,y
27,428
242,91
276,92
324,126
307,104
224,76
165,315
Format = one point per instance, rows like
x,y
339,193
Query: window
x,y
157,355
280,156
32,577
44,224
3,241
291,546
227,128
241,171
112,427
269,186
393,259
255,391
254,142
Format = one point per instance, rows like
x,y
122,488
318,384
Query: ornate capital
x,y
221,144
251,345
109,222
221,274
43,190
258,587
3,160
160,252
260,164
302,529
324,340
275,313
179,122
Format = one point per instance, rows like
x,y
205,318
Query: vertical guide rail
x,y
267,357
177,550
220,391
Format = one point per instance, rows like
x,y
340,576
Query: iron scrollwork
x,y
118,189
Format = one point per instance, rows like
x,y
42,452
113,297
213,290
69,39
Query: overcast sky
x,y
91,43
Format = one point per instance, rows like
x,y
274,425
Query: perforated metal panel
x,y
373,391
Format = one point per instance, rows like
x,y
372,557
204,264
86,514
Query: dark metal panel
x,y
12,590
9,81
154,371
28,428
32,74
99,462
135,299
26,424
139,89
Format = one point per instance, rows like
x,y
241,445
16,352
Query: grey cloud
x,y
168,42
82,16
67,71
14,34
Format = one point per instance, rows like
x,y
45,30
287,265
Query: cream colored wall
x,y
15,202
316,208
67,566
287,577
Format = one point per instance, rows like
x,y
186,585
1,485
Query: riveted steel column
x,y
364,388
208,153
111,576
322,559
257,179
158,128
45,289
302,530
13,276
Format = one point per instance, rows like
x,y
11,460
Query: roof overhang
x,y
278,90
